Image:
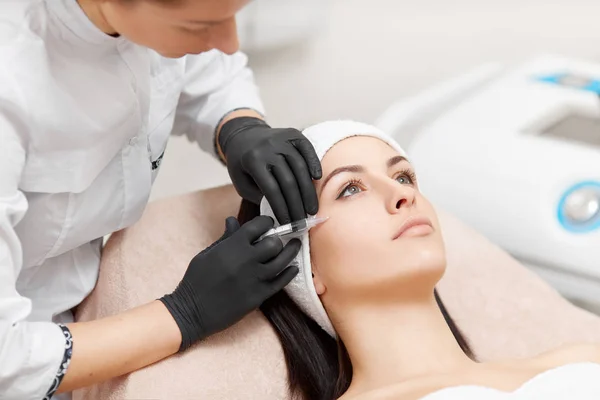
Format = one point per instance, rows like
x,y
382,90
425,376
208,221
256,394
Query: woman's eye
x,y
405,179
349,191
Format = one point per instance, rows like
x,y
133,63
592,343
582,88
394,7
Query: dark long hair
x,y
319,367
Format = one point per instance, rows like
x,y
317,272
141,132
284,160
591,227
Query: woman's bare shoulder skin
x,y
504,375
569,354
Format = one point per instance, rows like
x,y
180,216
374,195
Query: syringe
x,y
294,229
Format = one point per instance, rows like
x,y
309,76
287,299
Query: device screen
x,y
575,127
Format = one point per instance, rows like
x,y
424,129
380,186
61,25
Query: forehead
x,y
358,150
201,10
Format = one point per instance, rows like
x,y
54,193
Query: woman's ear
x,y
319,285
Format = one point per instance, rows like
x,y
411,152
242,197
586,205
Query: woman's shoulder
x,y
387,393
503,375
567,354
480,376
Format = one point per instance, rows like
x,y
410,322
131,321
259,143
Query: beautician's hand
x,y
230,279
277,163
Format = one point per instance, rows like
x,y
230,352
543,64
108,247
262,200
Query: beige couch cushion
x,y
504,310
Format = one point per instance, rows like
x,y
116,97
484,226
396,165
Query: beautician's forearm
x,y
120,344
246,112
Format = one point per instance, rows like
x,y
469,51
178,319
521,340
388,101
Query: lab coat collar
x,y
72,16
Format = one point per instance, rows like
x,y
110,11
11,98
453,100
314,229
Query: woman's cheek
x,y
342,241
350,221
327,243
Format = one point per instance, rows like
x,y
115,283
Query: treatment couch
x,y
503,309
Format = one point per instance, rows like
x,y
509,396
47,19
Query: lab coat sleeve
x,y
216,84
30,352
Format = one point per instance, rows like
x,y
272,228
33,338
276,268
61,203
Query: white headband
x,y
323,137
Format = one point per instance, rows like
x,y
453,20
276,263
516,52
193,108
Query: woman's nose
x,y
224,37
400,197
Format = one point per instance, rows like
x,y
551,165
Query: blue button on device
x,y
579,208
584,83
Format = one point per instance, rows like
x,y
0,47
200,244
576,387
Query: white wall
x,y
374,52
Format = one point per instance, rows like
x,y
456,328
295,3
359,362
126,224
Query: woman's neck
x,y
394,343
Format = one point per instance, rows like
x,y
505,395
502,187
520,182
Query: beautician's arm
x,y
246,112
222,284
215,84
278,164
113,346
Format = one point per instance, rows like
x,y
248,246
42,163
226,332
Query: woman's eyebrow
x,y
395,160
347,168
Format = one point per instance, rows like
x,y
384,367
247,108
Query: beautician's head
x,y
365,252
173,28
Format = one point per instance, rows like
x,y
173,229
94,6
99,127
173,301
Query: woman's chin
x,y
419,251
423,259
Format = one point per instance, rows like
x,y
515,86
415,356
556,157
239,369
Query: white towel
x,y
323,137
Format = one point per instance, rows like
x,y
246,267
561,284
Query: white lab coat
x,y
83,116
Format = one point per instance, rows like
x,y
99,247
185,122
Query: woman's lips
x,y
414,226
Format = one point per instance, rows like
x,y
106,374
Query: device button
x,y
582,205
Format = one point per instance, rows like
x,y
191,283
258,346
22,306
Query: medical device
x,y
515,153
294,229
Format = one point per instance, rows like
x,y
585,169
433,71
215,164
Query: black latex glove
x,y
230,279
277,163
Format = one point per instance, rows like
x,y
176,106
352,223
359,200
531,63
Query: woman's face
x,y
368,249
174,30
